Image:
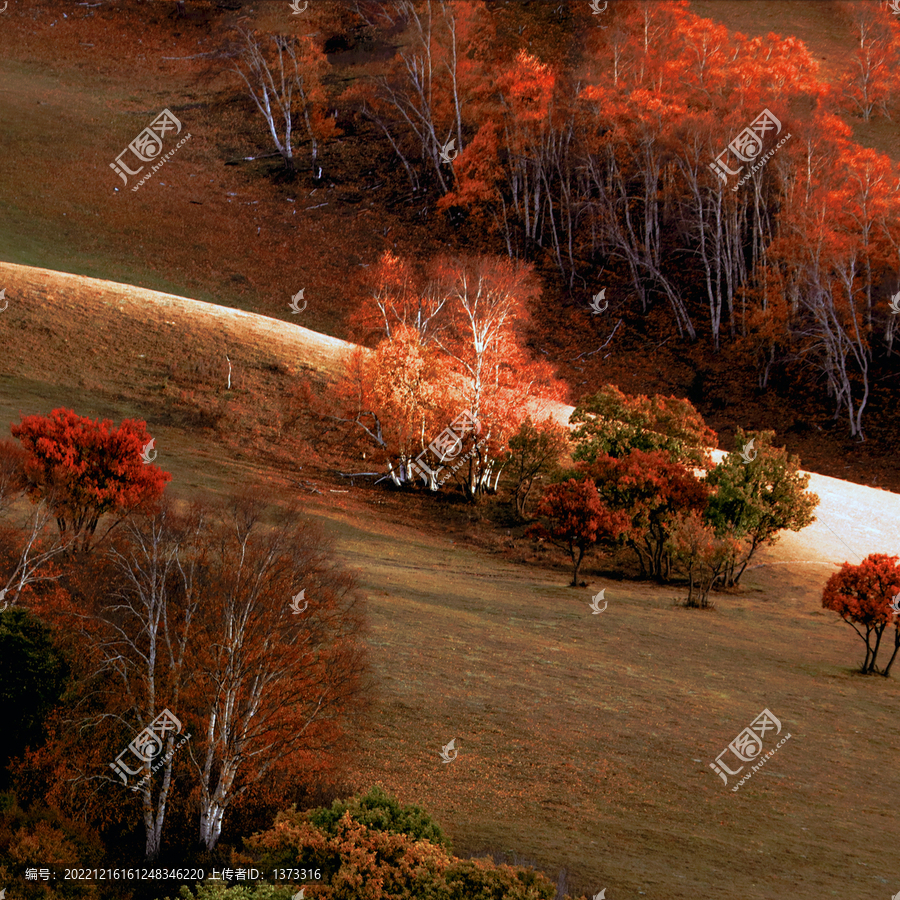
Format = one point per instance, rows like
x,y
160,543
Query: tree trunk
x,y
576,559
887,668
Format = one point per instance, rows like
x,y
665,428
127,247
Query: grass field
x,y
584,740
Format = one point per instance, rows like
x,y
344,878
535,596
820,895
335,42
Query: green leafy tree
x,y
33,680
534,452
613,423
753,501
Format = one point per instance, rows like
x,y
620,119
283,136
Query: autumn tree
x,y
753,501
399,296
702,554
534,452
487,310
427,92
86,469
868,81
133,611
614,423
454,345
272,689
578,519
283,75
192,613
398,397
862,595
650,489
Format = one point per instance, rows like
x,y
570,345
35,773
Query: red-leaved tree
x,y
651,490
862,595
578,519
86,468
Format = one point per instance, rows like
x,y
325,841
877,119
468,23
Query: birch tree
x,y
272,685
283,75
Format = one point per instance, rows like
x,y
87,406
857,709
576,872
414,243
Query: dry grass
x,y
584,740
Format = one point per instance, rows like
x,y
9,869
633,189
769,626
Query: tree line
x,y
584,144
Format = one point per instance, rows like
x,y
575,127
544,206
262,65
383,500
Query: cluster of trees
x,y
174,606
643,477
584,144
640,471
449,342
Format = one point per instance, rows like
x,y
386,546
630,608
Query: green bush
x,y
379,812
613,423
390,859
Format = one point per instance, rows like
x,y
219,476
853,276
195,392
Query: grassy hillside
x,y
584,740
220,228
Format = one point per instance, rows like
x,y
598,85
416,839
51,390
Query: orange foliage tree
x,y
651,490
453,345
862,596
704,555
272,688
193,614
284,77
86,468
